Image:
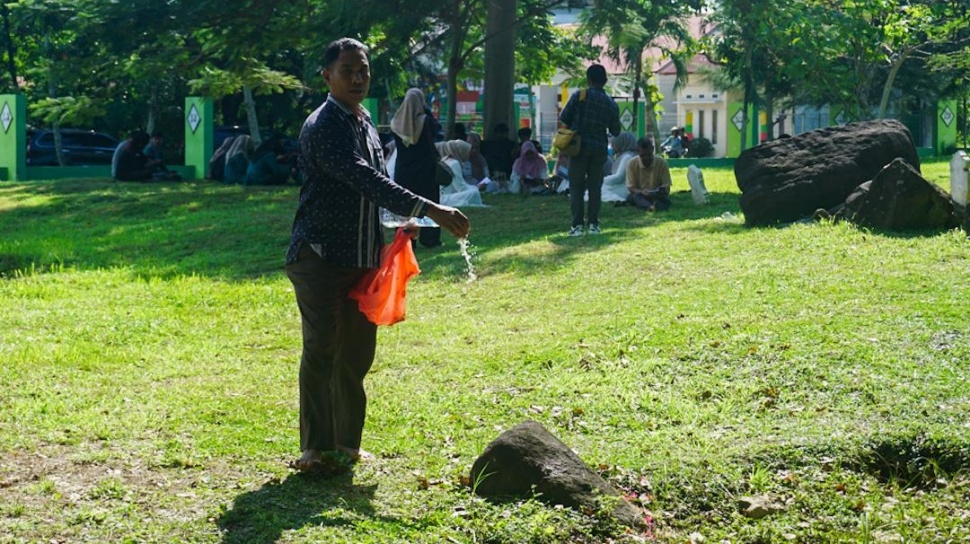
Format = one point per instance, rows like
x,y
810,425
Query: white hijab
x,y
408,122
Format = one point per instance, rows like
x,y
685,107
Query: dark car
x,y
80,147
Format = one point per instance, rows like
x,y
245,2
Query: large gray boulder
x,y
787,179
899,198
528,461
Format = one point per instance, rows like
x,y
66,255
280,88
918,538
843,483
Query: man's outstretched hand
x,y
450,219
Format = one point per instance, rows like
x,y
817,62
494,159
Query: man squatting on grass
x,y
336,238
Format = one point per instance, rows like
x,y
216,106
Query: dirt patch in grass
x,y
58,493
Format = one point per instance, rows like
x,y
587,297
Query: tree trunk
x,y
499,64
769,118
744,125
250,105
888,87
152,108
650,123
454,67
11,47
52,93
637,76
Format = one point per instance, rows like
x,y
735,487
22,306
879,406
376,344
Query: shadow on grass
x,y
153,229
299,501
233,233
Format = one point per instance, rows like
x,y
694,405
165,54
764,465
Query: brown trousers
x,y
338,350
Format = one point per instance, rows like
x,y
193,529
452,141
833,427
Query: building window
x,y
713,126
700,124
810,118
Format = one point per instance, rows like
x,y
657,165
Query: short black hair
x,y
646,142
140,138
336,47
157,134
596,74
525,132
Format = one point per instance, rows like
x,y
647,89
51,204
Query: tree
x,y
236,45
631,28
60,46
9,48
846,53
756,52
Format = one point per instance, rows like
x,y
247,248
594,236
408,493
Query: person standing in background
x,y
414,130
591,117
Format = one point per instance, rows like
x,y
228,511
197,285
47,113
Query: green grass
x,y
150,344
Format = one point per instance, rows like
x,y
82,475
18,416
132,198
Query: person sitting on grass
x,y
475,169
237,160
270,166
614,184
648,179
217,164
154,153
530,171
456,191
129,162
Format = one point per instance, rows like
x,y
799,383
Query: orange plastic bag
x,y
380,293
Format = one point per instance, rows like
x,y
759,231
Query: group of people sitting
x,y
238,161
452,172
139,158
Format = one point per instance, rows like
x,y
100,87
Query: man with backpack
x,y
591,112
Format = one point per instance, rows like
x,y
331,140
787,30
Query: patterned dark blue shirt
x,y
597,114
345,182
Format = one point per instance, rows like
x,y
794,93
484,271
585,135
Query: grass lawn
x,y
150,343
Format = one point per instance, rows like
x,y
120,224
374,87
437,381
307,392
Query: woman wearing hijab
x,y
614,184
529,171
475,169
217,164
458,192
414,130
237,160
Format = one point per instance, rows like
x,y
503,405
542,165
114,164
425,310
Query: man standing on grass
x,y
648,179
592,116
336,238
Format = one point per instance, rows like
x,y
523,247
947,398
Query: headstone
x,y
697,188
787,179
528,461
959,165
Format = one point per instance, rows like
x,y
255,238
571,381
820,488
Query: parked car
x,y
80,147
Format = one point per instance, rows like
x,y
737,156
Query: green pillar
x,y
735,111
372,105
13,137
198,134
626,115
946,125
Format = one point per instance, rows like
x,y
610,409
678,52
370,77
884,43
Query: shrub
x,y
700,147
